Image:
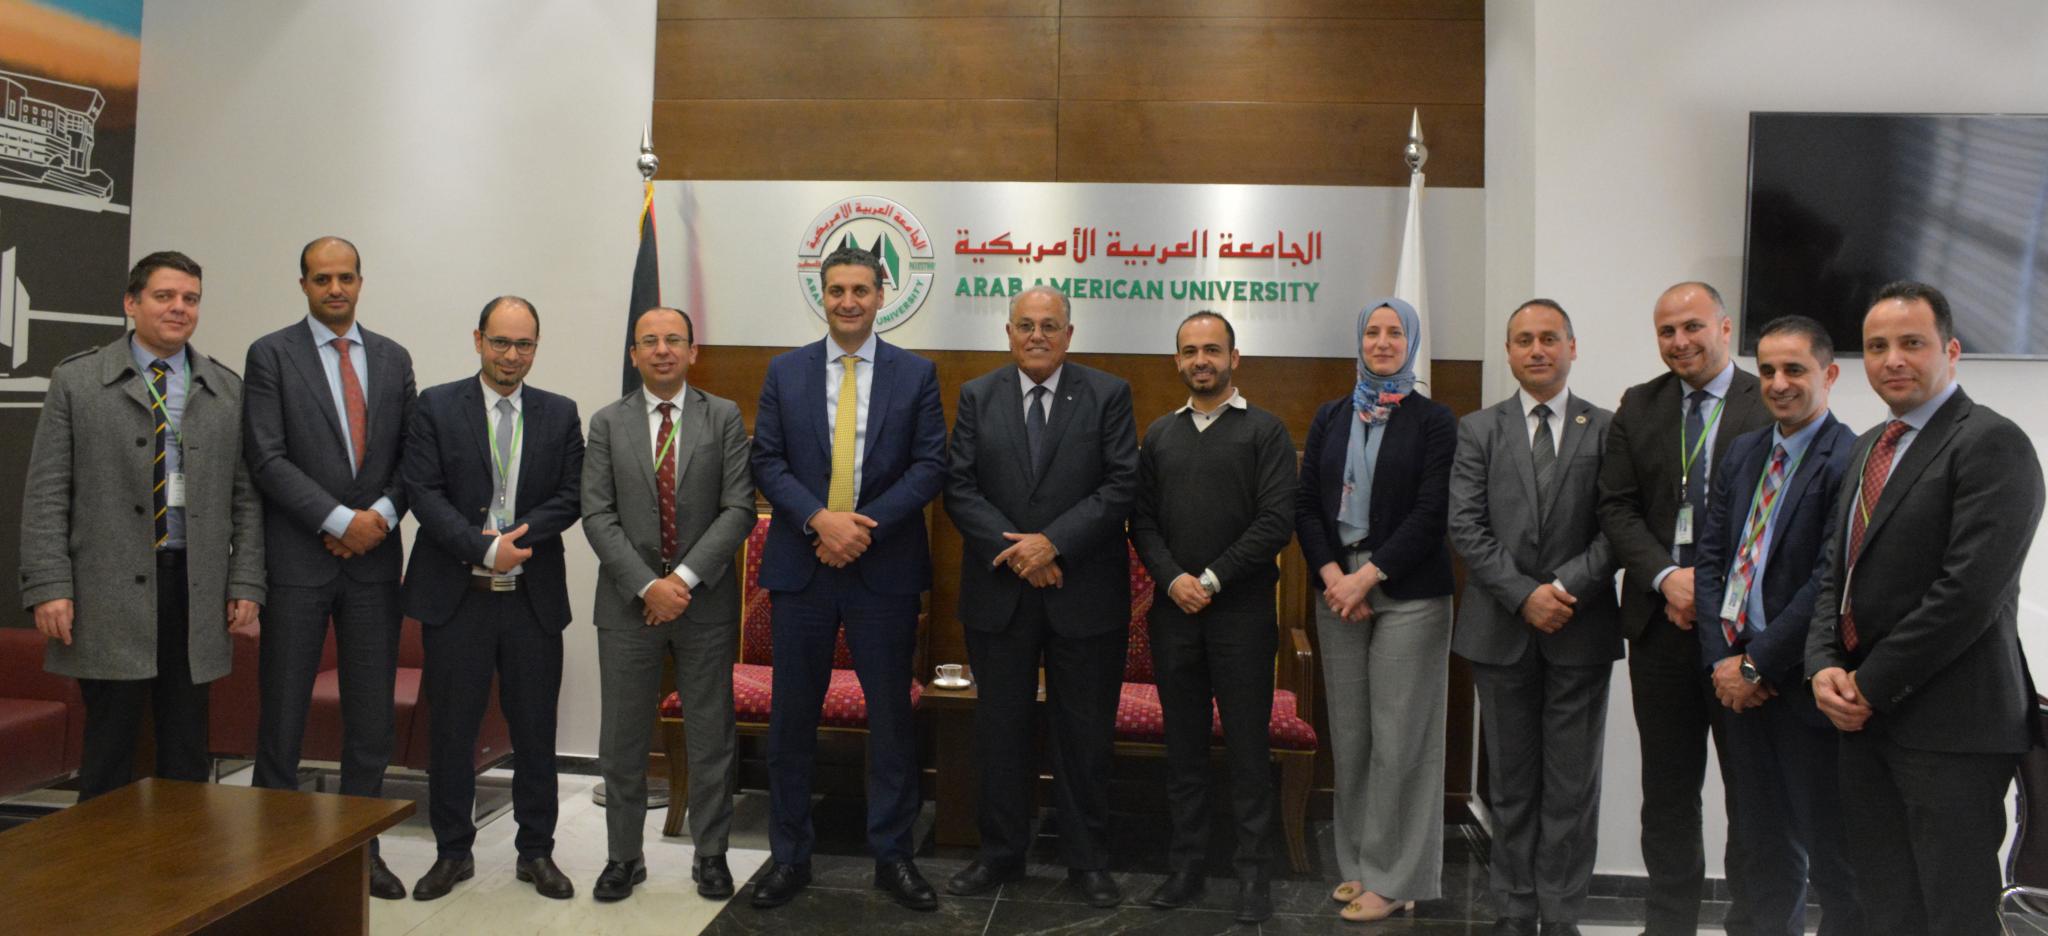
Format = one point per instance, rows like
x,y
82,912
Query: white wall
x,y
469,149
1625,125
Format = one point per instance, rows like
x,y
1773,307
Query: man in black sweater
x,y
1216,482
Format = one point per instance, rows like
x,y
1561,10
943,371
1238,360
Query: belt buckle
x,y
504,583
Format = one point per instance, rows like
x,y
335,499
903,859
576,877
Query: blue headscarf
x,y
1374,398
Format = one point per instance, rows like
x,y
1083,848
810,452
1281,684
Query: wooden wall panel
x,y
863,9
829,59
1263,143
809,139
1272,60
1322,9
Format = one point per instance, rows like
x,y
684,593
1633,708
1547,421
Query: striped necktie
x,y
159,477
1751,553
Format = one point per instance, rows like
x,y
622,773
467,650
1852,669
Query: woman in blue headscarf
x,y
1371,515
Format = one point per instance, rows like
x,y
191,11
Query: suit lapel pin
x,y
1581,419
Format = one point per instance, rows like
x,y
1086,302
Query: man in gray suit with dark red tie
x,y
1914,651
325,407
1538,621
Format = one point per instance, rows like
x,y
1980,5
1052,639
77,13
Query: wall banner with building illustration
x,y
68,75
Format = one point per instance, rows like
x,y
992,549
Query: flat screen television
x,y
1841,204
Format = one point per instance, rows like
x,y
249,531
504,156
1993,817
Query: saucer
x,y
961,683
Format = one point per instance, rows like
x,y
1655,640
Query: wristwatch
x,y
1749,672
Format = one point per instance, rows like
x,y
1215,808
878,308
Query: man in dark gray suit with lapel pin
x,y
1538,621
1662,445
667,500
1044,473
1914,651
326,403
141,536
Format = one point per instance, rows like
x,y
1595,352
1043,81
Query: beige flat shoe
x,y
1347,892
1363,910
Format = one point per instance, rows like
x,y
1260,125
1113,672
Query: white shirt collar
x,y
1918,416
654,402
1556,403
491,395
322,335
1052,383
866,351
1236,401
1718,386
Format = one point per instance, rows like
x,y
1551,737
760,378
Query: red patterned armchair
x,y
1141,726
753,679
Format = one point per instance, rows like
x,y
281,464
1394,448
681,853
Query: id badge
x,y
1683,535
174,489
1731,602
501,520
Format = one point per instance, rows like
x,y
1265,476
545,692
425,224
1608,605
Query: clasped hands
x,y
1735,692
1030,556
841,536
1549,608
1345,595
54,617
365,530
1839,698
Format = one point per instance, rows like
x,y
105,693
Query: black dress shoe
x,y
547,880
383,884
1559,928
442,877
1254,901
901,880
714,879
1097,887
780,884
979,878
1178,890
617,880
1514,926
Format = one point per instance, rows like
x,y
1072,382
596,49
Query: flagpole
x,y
1409,280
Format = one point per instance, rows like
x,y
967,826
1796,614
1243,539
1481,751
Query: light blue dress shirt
x,y
174,446
1915,419
330,362
1795,449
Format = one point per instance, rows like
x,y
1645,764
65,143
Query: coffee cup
x,y
952,673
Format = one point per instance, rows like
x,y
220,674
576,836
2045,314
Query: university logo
x,y
884,228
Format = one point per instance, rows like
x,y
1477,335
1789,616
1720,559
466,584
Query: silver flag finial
x,y
1415,153
648,162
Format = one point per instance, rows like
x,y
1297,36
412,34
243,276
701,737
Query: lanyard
x,y
673,428
1687,458
1758,524
504,461
165,406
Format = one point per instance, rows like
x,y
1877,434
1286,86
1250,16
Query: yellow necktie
x,y
845,419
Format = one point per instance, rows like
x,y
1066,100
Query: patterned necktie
x,y
1696,474
665,485
352,399
1034,426
846,415
502,464
160,379
1543,448
1747,557
1877,468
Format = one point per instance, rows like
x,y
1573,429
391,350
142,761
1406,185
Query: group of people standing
x,y
1867,723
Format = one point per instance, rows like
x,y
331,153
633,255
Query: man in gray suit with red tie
x,y
1914,649
324,413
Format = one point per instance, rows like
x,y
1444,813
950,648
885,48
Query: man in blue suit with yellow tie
x,y
1758,571
849,446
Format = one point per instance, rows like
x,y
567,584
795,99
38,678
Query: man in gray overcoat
x,y
141,536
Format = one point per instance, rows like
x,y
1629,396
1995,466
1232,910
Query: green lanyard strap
x,y
503,461
1686,458
673,428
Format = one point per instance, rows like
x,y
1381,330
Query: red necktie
x,y
352,398
665,485
1877,467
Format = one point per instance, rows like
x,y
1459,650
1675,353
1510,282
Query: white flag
x,y
1408,281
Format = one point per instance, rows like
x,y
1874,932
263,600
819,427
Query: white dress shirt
x,y
491,419
655,438
337,520
1052,390
864,383
1558,403
1710,409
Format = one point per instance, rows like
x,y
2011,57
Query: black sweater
x,y
1220,499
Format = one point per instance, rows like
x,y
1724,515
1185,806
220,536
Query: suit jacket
x,y
1792,569
902,467
299,458
1936,591
447,476
1640,481
1515,538
1078,495
621,506
1410,494
87,529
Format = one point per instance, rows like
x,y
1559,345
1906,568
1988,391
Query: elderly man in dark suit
x,y
1044,469
667,500
1759,566
849,447
1914,650
1538,621
323,421
141,536
493,467
1654,479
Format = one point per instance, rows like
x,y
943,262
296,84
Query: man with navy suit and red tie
x,y
849,447
1759,567
1914,650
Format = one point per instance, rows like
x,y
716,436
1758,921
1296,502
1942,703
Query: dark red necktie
x,y
1877,468
665,484
352,399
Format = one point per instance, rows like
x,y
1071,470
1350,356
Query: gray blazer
x,y
1509,549
86,526
714,506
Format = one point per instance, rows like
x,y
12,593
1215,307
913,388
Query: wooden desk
x,y
161,856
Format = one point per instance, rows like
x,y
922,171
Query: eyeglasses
x,y
1032,328
652,342
524,346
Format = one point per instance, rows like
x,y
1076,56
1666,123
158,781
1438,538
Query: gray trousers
x,y
1546,731
1385,680
629,664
